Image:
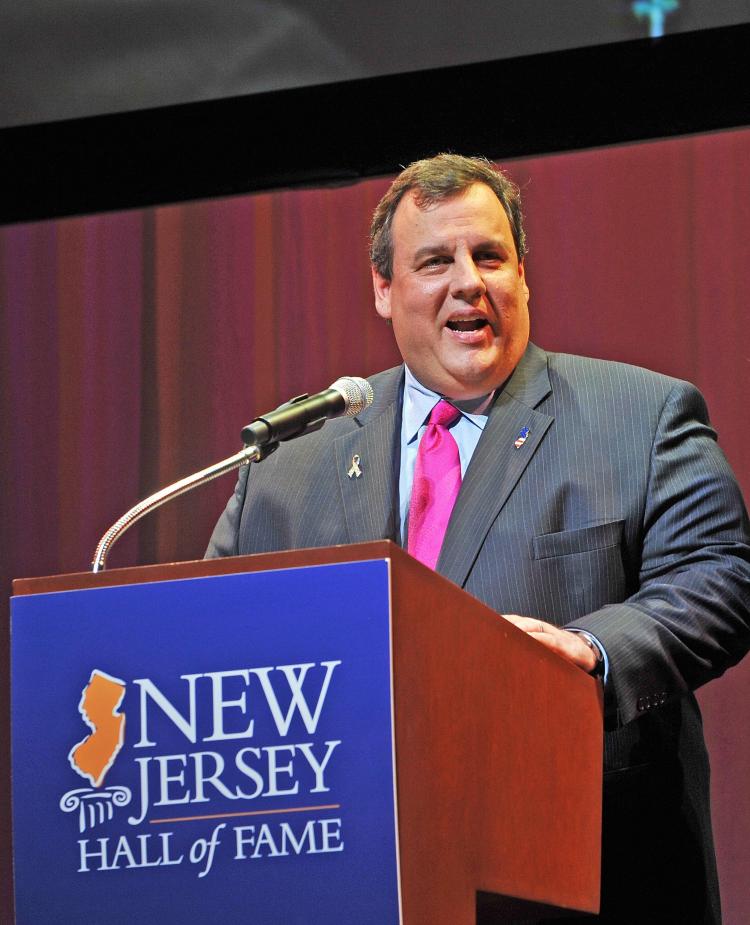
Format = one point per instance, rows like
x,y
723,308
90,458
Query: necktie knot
x,y
444,414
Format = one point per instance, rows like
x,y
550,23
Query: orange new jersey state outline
x,y
93,756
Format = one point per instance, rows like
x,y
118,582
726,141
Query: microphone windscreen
x,y
357,393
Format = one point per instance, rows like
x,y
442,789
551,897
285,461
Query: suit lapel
x,y
497,464
370,500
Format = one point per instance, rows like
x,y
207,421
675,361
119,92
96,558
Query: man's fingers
x,y
569,645
527,624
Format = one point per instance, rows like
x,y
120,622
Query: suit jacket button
x,y
641,704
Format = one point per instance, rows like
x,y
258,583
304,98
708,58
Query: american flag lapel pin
x,y
522,437
354,472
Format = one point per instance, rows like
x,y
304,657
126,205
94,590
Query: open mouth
x,y
473,324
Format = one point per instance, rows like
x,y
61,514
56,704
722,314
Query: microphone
x,y
349,395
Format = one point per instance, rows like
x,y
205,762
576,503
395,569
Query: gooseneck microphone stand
x,y
246,455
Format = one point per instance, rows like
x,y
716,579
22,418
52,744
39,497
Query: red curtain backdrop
x,y
136,345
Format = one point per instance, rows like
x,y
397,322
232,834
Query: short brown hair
x,y
433,180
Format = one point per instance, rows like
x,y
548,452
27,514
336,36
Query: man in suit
x,y
595,511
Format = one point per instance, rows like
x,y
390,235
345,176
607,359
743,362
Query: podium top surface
x,y
297,558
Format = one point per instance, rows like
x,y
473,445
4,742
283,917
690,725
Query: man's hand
x,y
570,645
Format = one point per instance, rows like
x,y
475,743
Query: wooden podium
x,y
498,745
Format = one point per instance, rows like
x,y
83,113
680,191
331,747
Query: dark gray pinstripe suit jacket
x,y
619,515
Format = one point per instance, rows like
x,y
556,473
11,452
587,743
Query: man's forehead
x,y
477,206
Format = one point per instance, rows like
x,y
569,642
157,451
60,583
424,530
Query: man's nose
x,y
467,283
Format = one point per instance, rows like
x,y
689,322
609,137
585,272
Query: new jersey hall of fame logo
x,y
235,753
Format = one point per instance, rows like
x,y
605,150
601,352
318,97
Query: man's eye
x,y
487,257
435,261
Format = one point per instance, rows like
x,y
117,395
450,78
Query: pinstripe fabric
x,y
618,515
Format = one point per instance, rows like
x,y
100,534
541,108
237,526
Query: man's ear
x,y
382,289
522,275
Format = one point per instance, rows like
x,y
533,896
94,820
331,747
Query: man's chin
x,y
464,374
465,386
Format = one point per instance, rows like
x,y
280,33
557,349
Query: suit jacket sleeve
x,y
687,622
225,538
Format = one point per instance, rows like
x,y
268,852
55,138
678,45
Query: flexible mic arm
x,y
348,395
247,455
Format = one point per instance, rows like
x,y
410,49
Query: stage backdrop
x,y
136,345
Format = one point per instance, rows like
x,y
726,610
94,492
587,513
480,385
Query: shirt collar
x,y
419,402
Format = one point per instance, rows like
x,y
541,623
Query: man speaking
x,y
586,501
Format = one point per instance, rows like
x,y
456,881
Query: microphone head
x,y
357,393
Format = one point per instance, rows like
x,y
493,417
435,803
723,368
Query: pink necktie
x,y
437,479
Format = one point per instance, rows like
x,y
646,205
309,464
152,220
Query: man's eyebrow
x,y
430,250
491,244
441,247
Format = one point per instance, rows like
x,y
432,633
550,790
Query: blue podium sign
x,y
207,750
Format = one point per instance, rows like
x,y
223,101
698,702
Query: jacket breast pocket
x,y
583,540
581,570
